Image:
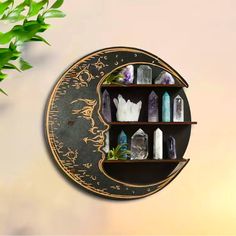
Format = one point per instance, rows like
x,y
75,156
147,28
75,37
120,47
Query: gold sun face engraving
x,y
83,77
86,112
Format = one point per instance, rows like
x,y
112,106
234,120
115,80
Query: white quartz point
x,y
158,144
178,109
127,111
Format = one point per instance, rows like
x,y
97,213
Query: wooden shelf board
x,y
152,123
145,161
142,86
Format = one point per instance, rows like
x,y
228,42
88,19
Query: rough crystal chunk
x,y
139,145
153,107
164,78
166,107
171,148
178,109
144,74
106,148
158,144
122,139
127,75
106,106
127,111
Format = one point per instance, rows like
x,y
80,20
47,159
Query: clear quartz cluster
x,y
127,110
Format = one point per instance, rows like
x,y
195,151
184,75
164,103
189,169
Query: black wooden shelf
x,y
152,123
142,86
145,161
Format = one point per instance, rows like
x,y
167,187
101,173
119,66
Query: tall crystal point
x,y
139,145
106,106
152,107
178,109
122,139
158,144
166,107
171,148
144,74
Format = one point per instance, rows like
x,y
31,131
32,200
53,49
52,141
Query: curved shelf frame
x,y
75,128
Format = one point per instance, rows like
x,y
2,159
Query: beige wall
x,y
197,38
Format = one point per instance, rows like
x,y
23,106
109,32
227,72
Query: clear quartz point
x,y
139,145
178,109
144,74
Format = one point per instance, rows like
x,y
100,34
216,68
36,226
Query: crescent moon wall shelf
x,y
75,127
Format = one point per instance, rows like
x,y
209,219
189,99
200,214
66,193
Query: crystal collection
x,y
144,76
130,111
139,145
161,107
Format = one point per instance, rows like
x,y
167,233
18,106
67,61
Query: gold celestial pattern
x,y
75,128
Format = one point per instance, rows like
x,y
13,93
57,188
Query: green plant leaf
x,y
5,55
6,37
57,4
39,38
4,6
14,17
35,7
1,90
24,65
15,14
2,76
10,66
53,13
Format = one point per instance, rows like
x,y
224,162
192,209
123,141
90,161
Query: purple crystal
x,y
106,106
171,148
127,74
164,78
153,107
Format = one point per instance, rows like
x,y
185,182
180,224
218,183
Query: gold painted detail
x,y
71,155
83,77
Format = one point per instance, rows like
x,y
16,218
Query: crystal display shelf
x,y
138,123
146,161
75,127
142,86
